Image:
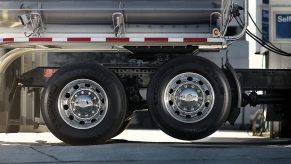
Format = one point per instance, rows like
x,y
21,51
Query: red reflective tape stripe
x,y
8,39
195,39
108,40
79,39
40,39
156,39
117,39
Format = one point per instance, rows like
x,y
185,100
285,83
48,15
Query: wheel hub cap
x,y
189,97
83,104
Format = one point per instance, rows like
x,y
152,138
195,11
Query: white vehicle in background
x,y
155,45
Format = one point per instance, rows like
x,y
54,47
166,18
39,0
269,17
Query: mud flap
x,y
3,112
10,105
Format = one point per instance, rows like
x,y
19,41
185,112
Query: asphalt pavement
x,y
147,146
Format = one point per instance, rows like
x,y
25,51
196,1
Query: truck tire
x,y
189,98
84,104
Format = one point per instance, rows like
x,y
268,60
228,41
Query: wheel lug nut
x,y
82,92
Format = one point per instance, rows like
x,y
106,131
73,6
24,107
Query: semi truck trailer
x,y
155,46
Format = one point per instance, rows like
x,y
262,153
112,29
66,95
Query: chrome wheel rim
x,y
189,97
82,104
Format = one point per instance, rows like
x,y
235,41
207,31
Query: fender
x,y
236,92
